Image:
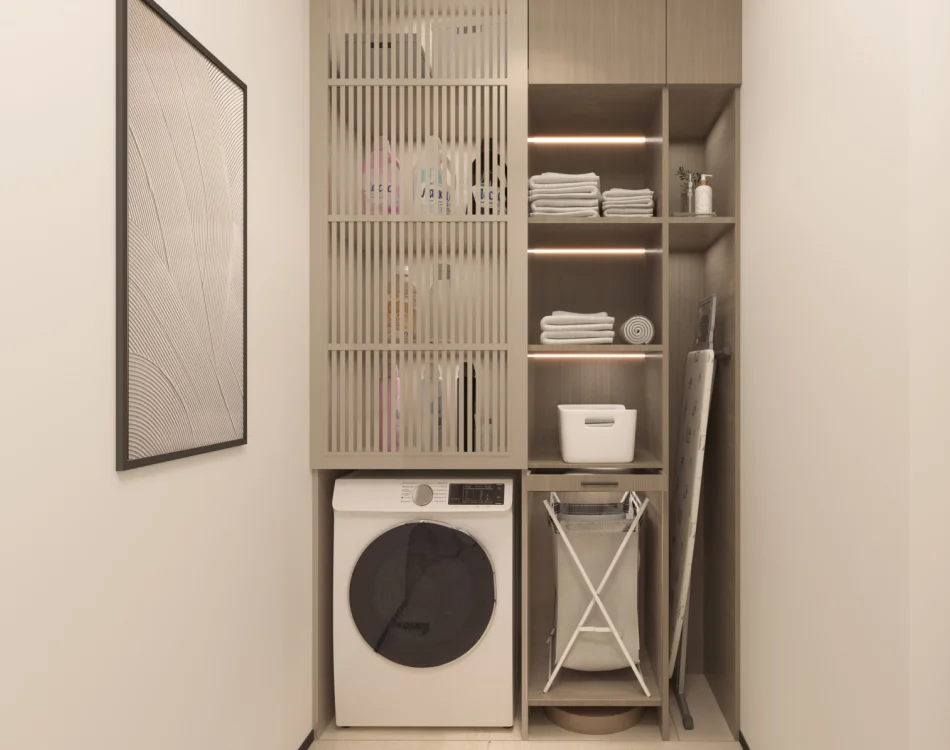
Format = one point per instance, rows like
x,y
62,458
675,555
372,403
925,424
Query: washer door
x,y
422,594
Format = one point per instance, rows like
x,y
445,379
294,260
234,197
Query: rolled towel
x,y
564,318
565,203
587,189
590,213
557,178
558,335
637,330
621,193
546,339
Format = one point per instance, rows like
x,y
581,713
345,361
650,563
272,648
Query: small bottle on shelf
x,y
704,197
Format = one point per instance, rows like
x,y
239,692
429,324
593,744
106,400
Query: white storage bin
x,y
597,433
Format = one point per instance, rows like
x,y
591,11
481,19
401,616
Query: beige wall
x,y
929,277
167,608
826,375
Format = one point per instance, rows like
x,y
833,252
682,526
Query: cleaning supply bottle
x,y
433,180
466,391
390,405
704,198
431,401
439,296
381,182
490,183
400,319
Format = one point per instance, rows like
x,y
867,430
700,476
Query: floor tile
x,y
323,744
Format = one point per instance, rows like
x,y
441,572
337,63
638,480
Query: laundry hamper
x,y
599,543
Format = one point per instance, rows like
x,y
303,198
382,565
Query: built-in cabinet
x,y
597,41
704,41
389,76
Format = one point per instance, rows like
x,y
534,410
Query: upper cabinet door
x,y
704,43
597,41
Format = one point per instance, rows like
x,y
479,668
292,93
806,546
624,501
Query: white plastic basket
x,y
597,433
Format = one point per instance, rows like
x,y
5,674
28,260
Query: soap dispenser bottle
x,y
704,198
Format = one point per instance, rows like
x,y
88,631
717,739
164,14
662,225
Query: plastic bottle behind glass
x,y
489,184
390,405
402,327
431,400
439,300
433,180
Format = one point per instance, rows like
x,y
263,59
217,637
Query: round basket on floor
x,y
595,720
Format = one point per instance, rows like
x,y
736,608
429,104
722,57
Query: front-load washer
x,y
423,601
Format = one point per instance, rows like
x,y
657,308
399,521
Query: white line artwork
x,y
185,261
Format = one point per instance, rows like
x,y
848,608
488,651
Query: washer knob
x,y
422,494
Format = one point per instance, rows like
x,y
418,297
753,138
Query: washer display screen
x,y
476,494
422,594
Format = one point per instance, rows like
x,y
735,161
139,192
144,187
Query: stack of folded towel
x,y
618,202
555,194
577,328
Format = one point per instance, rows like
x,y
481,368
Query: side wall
x,y
825,375
167,607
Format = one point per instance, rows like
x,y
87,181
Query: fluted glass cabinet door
x,y
419,172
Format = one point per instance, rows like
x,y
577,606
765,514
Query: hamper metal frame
x,y
641,505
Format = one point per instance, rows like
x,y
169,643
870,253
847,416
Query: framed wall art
x,y
181,207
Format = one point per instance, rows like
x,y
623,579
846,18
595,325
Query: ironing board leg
x,y
681,675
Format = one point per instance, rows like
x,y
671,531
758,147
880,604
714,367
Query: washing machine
x,y
423,601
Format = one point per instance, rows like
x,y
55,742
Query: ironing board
x,y
687,480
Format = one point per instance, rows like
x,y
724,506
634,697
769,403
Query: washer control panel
x,y
476,494
422,494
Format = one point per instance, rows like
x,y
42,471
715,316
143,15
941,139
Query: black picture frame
x,y
123,462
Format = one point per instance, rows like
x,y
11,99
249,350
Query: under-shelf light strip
x,y
604,140
595,251
590,355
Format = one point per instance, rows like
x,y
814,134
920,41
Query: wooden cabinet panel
x,y
704,41
597,41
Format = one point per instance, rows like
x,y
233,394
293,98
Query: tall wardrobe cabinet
x,y
426,297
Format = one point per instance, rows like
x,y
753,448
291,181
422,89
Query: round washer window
x,y
422,594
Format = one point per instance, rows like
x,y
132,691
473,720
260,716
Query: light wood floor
x,y
564,744
710,733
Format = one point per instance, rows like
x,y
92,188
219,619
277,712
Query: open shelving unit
x,y
387,74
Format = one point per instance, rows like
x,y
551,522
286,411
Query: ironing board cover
x,y
687,480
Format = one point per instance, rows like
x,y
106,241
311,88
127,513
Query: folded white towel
x,y
554,335
546,339
556,178
580,188
577,327
628,212
632,202
621,193
591,213
573,198
533,196
563,318
565,203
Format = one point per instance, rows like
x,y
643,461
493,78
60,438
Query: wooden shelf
x,y
595,220
595,349
397,218
696,235
618,687
551,459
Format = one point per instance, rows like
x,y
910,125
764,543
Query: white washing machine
x,y
423,601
